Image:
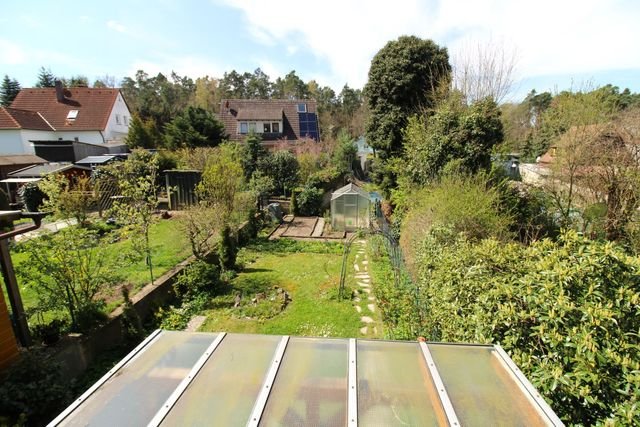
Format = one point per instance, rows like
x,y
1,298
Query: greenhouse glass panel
x,y
234,375
395,386
482,391
135,393
311,386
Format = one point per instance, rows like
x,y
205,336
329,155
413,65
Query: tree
x,y
142,133
206,94
194,127
485,71
258,85
138,199
8,91
254,152
69,270
282,167
68,197
403,78
75,81
455,132
45,78
105,81
290,87
344,154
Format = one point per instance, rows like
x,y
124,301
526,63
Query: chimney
x,y
59,91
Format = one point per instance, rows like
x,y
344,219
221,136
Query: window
x,y
275,127
126,120
267,128
243,127
72,114
252,128
302,108
118,119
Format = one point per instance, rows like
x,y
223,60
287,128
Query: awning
x,y
187,378
20,180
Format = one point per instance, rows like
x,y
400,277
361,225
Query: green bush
x,y
31,390
309,201
198,278
227,249
568,313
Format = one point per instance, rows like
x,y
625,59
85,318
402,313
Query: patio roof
x,y
183,378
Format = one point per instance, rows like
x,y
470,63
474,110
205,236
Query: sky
x,y
556,44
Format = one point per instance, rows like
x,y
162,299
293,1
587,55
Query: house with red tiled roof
x,y
61,116
272,119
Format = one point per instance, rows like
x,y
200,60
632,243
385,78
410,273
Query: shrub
x,y
294,204
309,201
31,391
32,196
566,312
227,249
198,278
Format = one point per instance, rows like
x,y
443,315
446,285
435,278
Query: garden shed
x,y
350,208
188,379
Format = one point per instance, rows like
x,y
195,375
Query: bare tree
x,y
484,70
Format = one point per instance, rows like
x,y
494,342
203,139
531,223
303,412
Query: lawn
x,y
308,271
169,247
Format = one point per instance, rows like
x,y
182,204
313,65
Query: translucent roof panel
x,y
481,389
349,189
395,387
134,394
225,390
311,385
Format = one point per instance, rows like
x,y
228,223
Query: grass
x,y
308,271
169,247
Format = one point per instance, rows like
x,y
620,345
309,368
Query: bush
x,y
294,204
309,201
198,278
31,391
32,196
227,249
566,312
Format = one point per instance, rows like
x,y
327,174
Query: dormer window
x,y
302,108
72,114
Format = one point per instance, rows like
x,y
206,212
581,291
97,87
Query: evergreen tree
x,y
46,78
8,91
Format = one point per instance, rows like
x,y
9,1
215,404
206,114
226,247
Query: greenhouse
x,y
350,208
190,378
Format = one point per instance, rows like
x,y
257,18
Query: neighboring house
x,y
272,119
42,118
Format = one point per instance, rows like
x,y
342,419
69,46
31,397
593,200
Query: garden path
x,y
365,301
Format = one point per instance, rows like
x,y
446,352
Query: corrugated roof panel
x,y
133,395
311,386
225,390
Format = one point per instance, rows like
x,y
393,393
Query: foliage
x,y
137,187
344,154
8,91
198,278
194,127
566,311
45,78
131,323
282,167
253,154
221,179
469,205
402,79
261,185
142,133
227,249
31,390
202,224
70,271
454,131
68,197
293,204
32,196
309,201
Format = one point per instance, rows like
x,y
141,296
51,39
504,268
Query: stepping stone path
x,y
364,282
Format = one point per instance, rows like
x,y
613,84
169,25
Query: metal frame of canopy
x,y
351,383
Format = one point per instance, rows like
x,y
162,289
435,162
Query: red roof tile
x,y
94,106
23,119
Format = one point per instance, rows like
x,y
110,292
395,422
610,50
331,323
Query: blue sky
x,y
557,44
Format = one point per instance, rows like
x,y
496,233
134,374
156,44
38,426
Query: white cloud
x,y
11,53
551,36
116,26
